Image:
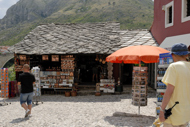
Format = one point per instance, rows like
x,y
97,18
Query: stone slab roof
x,y
88,38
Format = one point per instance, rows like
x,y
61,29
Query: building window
x,y
169,14
185,16
188,8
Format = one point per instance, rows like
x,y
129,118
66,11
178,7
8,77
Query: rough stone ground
x,y
80,111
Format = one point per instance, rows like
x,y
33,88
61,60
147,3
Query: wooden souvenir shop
x,y
63,71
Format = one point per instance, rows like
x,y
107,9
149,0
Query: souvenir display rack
x,y
4,84
59,78
37,88
53,79
107,85
164,60
139,87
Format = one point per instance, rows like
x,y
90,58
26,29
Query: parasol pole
x,y
139,88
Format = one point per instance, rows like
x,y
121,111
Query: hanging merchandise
x,y
22,57
104,61
55,58
13,89
20,60
108,85
97,59
110,70
45,57
100,60
59,78
4,83
67,75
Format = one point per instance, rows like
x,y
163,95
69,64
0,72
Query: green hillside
x,y
27,14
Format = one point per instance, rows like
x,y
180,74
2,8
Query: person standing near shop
x,y
26,80
95,73
178,88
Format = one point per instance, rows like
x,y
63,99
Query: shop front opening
x,y
90,69
127,74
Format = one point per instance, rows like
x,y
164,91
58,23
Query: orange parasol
x,y
134,54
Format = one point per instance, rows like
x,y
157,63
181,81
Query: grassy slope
x,y
132,14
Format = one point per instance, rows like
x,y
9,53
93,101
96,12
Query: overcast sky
x,y
4,5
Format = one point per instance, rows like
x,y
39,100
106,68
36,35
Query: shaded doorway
x,y
127,74
86,68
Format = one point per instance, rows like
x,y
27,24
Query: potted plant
x,y
67,93
97,94
73,93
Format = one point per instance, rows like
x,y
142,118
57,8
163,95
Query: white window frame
x,y
184,18
167,14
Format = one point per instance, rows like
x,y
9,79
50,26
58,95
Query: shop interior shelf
x,y
46,84
62,88
161,90
102,84
65,74
159,103
159,78
163,66
57,88
44,80
46,88
65,84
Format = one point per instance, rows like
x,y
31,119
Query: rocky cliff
x,y
25,15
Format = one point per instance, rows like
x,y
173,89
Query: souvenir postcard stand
x,y
4,84
165,60
37,87
139,87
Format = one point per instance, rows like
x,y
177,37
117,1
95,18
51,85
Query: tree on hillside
x,y
113,3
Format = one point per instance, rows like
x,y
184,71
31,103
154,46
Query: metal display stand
x,y
139,87
37,87
4,103
165,60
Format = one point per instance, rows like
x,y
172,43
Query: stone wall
x,y
4,59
